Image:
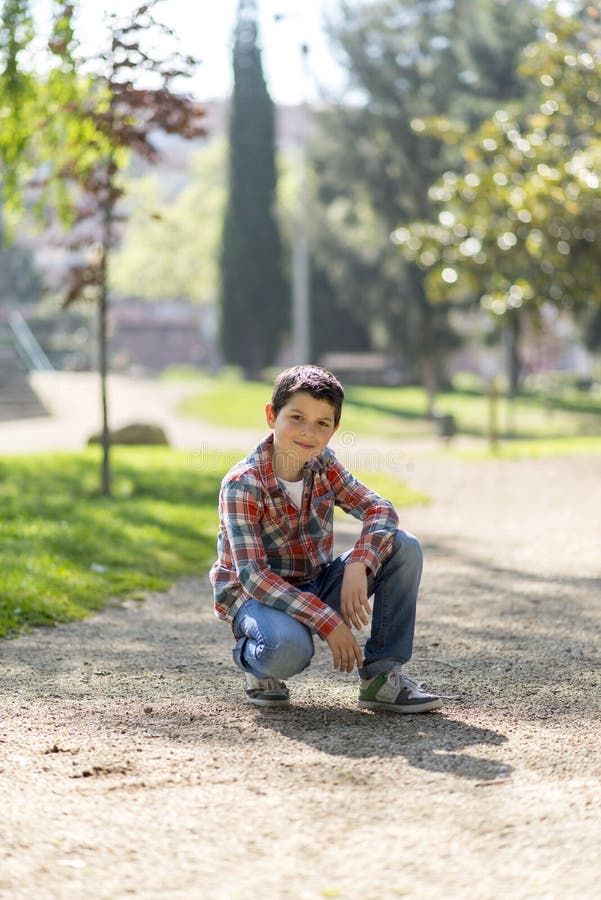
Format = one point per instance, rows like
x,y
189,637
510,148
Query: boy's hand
x,y
354,605
345,649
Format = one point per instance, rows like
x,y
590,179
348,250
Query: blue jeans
x,y
271,643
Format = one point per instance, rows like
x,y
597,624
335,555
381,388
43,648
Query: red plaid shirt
x,y
266,546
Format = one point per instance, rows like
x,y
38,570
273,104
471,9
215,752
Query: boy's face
x,y
302,428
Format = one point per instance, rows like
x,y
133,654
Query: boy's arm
x,y
380,521
241,506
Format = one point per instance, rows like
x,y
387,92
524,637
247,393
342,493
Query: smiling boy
x,y
276,580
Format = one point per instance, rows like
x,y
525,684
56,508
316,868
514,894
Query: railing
x,y
27,346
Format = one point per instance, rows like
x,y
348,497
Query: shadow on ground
x,y
433,741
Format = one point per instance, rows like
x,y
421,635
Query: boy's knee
x,y
409,548
278,655
289,656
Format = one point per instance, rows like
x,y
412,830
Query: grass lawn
x,y
64,549
398,412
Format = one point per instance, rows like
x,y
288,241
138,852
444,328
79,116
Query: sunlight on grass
x,y
64,549
398,413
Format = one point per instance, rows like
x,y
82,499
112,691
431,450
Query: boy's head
x,y
313,380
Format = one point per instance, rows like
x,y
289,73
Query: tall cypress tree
x,y
254,306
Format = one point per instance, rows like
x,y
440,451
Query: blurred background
x,y
404,192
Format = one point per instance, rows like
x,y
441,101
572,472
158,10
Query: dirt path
x,y
129,765
73,402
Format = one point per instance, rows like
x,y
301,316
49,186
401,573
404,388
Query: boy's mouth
x,y
306,446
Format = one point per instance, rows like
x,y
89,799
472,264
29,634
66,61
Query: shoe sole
x,y
264,701
428,706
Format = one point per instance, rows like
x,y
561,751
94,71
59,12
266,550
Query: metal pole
x,y
301,270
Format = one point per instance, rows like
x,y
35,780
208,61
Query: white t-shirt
x,y
295,489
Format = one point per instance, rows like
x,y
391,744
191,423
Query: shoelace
x,y
400,680
269,684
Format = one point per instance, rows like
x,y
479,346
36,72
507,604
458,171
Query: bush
x,y
136,434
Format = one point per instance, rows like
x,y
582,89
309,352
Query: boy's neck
x,y
284,467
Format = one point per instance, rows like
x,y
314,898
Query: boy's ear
x,y
270,415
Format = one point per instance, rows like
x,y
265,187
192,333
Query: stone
x,y
137,433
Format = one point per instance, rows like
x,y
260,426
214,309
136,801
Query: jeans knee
x,y
409,549
290,656
275,657
413,548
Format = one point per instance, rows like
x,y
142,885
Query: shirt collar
x,y
261,457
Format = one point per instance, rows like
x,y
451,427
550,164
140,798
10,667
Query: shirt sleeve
x,y
241,508
379,518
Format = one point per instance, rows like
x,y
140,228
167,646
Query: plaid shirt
x,y
266,546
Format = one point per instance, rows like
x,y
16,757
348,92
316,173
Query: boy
x,y
275,579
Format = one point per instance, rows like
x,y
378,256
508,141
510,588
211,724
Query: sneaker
x,y
266,691
395,690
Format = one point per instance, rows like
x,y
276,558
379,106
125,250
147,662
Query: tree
x,y
520,225
375,165
17,93
254,308
83,133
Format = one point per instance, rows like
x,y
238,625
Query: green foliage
x,y
520,224
64,550
407,62
81,131
17,98
253,297
170,243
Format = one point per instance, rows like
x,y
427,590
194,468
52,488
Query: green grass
x,y
233,403
64,549
397,413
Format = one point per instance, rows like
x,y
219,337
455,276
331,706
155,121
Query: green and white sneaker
x,y
396,691
266,691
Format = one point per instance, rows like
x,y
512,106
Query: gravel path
x,y
130,766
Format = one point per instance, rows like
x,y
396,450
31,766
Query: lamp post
x,y
301,291
301,264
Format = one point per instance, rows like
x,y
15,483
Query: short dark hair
x,y
313,380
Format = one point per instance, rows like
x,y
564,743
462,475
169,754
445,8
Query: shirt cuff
x,y
328,623
367,556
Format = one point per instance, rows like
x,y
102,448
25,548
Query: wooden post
x,y
493,430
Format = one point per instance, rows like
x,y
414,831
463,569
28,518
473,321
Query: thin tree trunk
x,y
103,304
511,338
102,368
512,335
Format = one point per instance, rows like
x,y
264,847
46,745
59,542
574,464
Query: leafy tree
x,y
17,92
520,225
407,63
82,135
253,299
